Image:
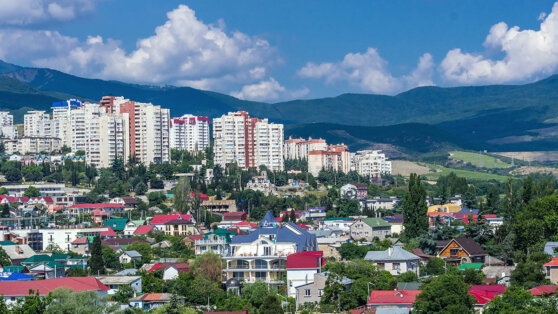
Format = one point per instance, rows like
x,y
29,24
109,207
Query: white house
x,y
130,228
342,224
129,256
395,260
301,267
115,282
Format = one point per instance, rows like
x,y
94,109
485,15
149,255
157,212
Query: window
x,y
396,266
267,250
307,292
381,265
453,251
320,291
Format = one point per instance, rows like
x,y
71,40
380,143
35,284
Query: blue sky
x,y
280,50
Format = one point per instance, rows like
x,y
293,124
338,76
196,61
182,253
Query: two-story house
x,y
262,254
395,260
462,250
369,228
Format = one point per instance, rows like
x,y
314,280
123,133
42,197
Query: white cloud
x,y
542,15
183,51
527,54
268,90
369,72
27,12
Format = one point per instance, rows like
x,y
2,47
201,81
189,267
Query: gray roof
x,y
392,310
394,253
132,253
344,280
18,251
321,233
549,248
127,272
117,280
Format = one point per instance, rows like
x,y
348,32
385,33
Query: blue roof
x,y
9,276
468,211
287,233
268,220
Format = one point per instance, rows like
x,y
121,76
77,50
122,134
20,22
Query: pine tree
x,y
415,208
96,262
6,211
293,216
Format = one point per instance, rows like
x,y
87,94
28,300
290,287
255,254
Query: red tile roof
x,y
544,290
246,223
143,229
305,259
485,293
303,226
195,237
203,197
420,253
393,297
80,240
21,288
98,205
99,212
162,219
553,262
179,266
234,216
108,233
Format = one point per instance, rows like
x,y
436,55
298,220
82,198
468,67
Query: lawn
x,y
479,160
473,175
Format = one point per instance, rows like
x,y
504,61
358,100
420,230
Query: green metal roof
x,y
138,222
117,224
57,257
7,243
14,269
476,266
39,258
376,222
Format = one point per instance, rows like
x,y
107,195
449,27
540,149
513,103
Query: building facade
x,y
335,157
189,132
298,148
248,142
371,163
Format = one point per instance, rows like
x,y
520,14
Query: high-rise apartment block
x,y
189,133
335,157
7,129
248,142
371,163
298,148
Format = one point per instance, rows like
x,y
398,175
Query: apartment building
x,y
33,123
298,148
32,145
248,142
107,139
335,157
371,163
7,129
189,132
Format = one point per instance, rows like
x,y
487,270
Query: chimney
x,y
390,250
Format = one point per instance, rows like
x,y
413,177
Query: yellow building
x,y
446,208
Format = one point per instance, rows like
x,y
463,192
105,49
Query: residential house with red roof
x,y
18,290
544,290
232,218
170,270
143,229
149,301
180,227
301,267
485,293
80,209
129,203
403,299
551,270
159,220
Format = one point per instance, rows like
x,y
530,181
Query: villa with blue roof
x,y
262,254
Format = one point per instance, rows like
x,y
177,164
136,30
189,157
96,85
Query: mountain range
x,y
495,118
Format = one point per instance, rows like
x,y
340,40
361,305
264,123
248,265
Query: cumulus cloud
x,y
369,72
183,51
527,55
27,12
268,90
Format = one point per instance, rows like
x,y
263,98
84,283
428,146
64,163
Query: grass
x,y
479,160
473,175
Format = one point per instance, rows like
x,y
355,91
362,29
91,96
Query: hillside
x,y
495,118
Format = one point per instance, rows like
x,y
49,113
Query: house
x,y
485,293
379,203
99,215
129,228
170,270
395,260
129,256
116,224
216,242
301,267
312,291
18,290
18,253
143,229
369,228
159,220
262,254
129,203
313,214
330,246
77,262
190,240
231,218
165,244
544,290
245,226
80,209
462,250
396,223
340,224
423,256
180,227
395,299
115,282
150,301
219,206
551,270
551,248
354,191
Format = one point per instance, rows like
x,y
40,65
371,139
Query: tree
x,y
6,210
293,216
271,305
257,292
4,258
13,175
528,274
123,294
408,276
447,293
472,276
80,152
208,265
110,258
435,266
518,301
182,196
32,192
118,168
493,198
33,303
203,288
81,302
4,191
96,262
144,249
140,188
351,251
415,208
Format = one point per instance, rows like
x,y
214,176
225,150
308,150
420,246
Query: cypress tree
x,y
415,208
293,216
96,262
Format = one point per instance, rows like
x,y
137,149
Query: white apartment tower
x,y
371,163
298,148
107,139
248,142
189,133
7,128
